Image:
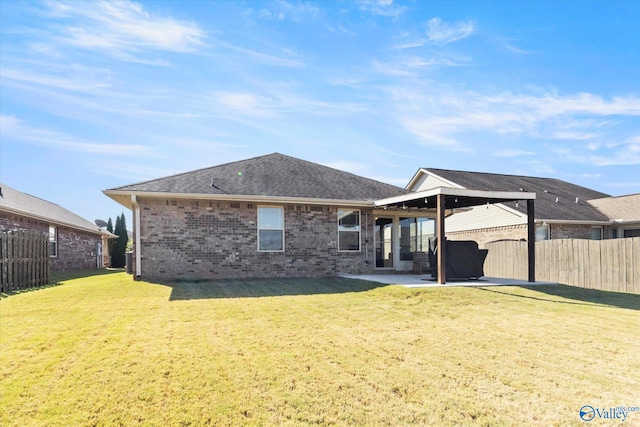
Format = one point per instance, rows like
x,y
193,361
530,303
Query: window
x,y
596,233
542,232
414,236
270,229
348,230
632,232
53,241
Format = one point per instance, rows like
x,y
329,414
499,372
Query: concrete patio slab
x,y
426,281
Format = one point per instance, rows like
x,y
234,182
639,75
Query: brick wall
x,y
519,232
74,246
76,250
486,235
196,239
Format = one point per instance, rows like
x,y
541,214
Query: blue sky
x,y
94,95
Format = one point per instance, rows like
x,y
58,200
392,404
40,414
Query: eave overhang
x,y
50,220
124,198
454,198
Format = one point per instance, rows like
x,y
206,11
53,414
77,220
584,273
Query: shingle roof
x,y
547,190
626,208
273,175
14,201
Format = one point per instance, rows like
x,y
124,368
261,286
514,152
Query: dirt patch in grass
x,y
105,350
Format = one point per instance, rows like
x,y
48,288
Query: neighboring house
x,y
623,211
74,243
562,210
269,216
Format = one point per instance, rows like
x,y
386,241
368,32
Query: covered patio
x,y
445,201
425,281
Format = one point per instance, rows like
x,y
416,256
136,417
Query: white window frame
x,y
357,228
53,238
260,228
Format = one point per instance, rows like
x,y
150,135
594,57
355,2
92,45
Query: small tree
x,y
118,258
112,242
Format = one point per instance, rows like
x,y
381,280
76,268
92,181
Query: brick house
x,y
563,210
278,216
269,216
74,243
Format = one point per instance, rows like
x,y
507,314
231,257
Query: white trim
x,y
394,219
626,222
462,192
423,171
570,221
272,229
122,198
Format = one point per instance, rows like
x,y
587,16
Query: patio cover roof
x,y
454,198
443,198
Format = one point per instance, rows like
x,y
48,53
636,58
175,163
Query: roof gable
x,y
626,208
555,199
274,175
14,201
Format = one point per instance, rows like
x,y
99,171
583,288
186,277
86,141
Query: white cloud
x,y
267,59
552,116
382,8
73,78
440,32
124,27
624,153
15,129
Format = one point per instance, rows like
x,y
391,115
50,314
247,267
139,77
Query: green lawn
x,y
105,350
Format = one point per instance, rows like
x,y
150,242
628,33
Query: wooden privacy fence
x,y
24,260
608,265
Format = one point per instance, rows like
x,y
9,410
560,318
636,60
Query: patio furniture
x,y
463,257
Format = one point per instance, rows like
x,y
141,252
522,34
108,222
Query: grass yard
x,y
105,350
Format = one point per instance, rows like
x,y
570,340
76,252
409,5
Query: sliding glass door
x,y
383,241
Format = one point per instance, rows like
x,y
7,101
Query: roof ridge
x,y
194,170
493,173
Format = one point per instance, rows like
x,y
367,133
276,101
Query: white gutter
x,y
625,221
569,221
239,198
136,227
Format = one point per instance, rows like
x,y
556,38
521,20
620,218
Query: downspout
x,y
136,228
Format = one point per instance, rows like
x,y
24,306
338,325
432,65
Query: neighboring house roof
x,y
15,202
555,199
271,176
621,208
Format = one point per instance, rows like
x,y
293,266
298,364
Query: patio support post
x,y
531,240
442,240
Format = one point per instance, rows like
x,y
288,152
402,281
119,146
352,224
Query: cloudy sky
x,y
94,95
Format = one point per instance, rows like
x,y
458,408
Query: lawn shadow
x,y
578,296
55,278
59,277
256,288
